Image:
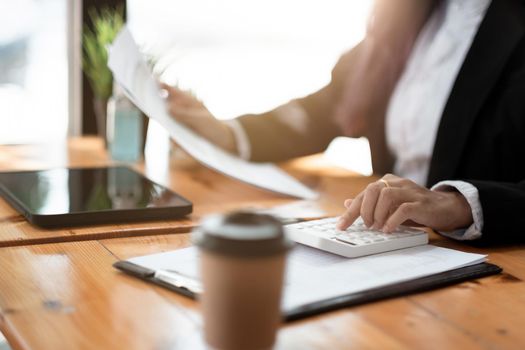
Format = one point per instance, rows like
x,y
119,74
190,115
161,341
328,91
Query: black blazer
x,y
481,136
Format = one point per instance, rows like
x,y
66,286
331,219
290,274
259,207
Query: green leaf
x,y
106,23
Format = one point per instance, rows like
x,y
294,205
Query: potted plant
x,y
106,23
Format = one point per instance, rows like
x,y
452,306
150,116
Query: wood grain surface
x,y
65,294
68,296
209,191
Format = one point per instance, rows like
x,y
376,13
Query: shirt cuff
x,y
471,194
241,139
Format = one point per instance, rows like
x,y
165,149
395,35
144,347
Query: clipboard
x,y
180,285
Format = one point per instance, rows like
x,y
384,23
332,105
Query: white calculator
x,y
355,241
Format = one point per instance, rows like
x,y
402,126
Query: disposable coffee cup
x,y
242,262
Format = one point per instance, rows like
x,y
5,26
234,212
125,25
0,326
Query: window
x,y
247,56
242,56
33,71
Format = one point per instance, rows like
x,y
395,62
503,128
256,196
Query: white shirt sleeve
x,y
471,194
241,139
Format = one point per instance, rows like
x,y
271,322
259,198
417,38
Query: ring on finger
x,y
387,185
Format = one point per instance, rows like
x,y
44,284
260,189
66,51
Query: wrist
x,y
229,142
462,213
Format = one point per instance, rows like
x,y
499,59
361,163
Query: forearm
x,y
300,127
497,210
473,230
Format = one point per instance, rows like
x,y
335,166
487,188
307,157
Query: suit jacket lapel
x,y
498,35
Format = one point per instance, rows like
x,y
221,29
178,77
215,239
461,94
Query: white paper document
x,y
133,75
313,275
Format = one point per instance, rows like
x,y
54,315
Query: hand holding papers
x,y
131,72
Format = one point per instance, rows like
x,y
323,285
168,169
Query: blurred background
x,y
247,56
238,56
33,71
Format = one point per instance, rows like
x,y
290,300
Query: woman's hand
x,y
392,201
187,109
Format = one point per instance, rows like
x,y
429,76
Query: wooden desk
x,y
66,295
206,189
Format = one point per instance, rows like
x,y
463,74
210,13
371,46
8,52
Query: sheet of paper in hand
x,y
133,75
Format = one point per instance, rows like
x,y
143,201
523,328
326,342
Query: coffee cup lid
x,y
241,234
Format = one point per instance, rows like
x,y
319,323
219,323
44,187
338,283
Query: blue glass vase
x,y
124,129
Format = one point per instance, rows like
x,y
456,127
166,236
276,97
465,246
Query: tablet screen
x,y
63,191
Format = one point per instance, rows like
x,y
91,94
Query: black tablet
x,y
88,196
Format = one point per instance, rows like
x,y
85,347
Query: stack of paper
x,y
313,275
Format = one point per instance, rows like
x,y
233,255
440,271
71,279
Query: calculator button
x,y
345,240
